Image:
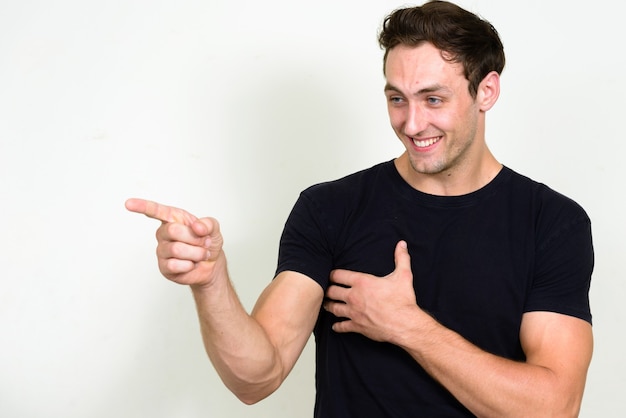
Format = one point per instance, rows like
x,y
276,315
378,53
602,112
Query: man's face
x,y
431,110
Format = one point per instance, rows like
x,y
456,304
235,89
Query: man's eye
x,y
395,99
434,100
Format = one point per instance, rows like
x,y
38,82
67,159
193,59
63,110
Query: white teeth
x,y
425,143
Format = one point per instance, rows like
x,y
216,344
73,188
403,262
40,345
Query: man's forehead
x,y
422,55
423,88
421,67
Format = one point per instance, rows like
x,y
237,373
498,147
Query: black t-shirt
x,y
479,261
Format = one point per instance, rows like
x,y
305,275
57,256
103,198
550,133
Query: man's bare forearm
x,y
492,386
235,342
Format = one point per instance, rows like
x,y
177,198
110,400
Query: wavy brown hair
x,y
462,36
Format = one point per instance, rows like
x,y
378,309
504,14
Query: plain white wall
x,y
229,109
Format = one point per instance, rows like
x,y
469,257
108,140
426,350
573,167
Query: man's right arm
x,y
252,353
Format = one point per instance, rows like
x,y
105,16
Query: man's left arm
x,y
550,382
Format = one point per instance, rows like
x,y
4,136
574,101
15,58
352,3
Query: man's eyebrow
x,y
389,87
425,90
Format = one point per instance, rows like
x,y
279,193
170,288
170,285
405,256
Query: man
x,y
487,316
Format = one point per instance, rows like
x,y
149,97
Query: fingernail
x,y
207,243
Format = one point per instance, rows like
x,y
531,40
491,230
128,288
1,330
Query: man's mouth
x,y
423,143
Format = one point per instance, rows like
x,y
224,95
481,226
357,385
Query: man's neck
x,y
456,181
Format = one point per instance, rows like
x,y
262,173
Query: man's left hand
x,y
377,307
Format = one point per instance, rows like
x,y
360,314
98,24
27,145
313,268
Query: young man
x,y
488,315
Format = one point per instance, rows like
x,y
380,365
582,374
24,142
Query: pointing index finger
x,y
160,212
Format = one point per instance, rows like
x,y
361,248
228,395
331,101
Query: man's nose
x,y
416,120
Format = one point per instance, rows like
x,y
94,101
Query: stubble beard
x,y
447,162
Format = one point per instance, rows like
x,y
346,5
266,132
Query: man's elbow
x,y
251,394
563,407
572,408
251,398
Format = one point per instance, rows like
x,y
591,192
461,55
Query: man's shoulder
x,y
351,182
549,205
540,190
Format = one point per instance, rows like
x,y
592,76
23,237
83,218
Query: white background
x,y
230,109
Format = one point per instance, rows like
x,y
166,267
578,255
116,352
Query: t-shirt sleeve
x,y
564,263
304,244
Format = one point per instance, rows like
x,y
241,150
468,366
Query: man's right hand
x,y
189,249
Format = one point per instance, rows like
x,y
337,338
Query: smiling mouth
x,y
426,142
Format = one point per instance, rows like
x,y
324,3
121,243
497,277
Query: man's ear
x,y
488,91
